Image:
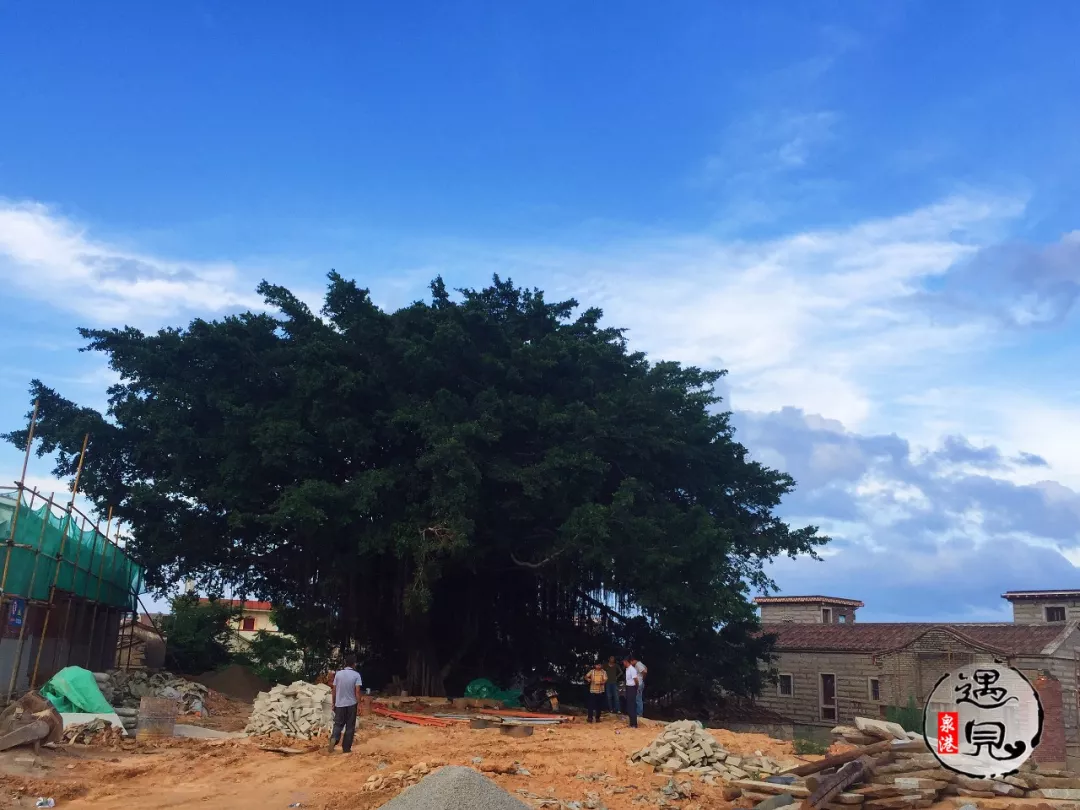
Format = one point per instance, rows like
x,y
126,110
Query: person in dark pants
x,y
614,675
346,696
633,678
597,680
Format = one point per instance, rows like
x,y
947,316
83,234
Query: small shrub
x,y
910,717
804,746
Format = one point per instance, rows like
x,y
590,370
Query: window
x,y
826,615
785,687
247,624
828,697
874,689
1055,613
883,711
842,618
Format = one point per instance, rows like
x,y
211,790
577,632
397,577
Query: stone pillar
x,y
1051,750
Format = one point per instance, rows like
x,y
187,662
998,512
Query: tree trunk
x,y
423,676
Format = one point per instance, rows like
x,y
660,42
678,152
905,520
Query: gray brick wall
x,y
1033,611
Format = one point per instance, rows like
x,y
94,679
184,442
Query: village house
x,y
254,617
830,668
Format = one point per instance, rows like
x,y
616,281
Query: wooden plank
x,y
832,786
839,759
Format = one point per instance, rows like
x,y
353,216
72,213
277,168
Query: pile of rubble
x,y
96,732
685,747
125,689
301,710
867,732
398,779
897,772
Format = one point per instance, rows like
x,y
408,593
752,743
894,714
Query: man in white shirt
x,y
346,696
633,680
642,671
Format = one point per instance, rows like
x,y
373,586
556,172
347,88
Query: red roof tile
x,y
245,604
800,600
870,637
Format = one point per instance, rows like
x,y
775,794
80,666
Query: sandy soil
x,y
226,714
567,762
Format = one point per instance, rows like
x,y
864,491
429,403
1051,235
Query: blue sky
x,y
868,213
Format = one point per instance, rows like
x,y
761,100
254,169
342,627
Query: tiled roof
x,y
1014,595
870,637
245,604
799,600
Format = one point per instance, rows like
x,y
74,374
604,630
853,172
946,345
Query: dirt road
x,y
567,762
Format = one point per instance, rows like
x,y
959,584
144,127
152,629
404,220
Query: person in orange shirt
x,y
596,678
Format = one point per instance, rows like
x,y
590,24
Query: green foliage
x,y
802,746
198,634
273,656
909,717
456,489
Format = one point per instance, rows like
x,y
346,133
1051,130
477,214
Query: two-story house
x,y
830,668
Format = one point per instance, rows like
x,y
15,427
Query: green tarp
x,y
89,567
483,688
74,689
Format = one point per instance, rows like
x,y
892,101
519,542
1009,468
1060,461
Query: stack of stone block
x,y
301,710
685,747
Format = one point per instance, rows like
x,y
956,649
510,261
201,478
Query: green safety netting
x,y
89,567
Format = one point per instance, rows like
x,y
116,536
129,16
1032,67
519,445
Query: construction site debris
x,y
127,688
95,732
868,731
301,710
31,720
848,756
899,773
455,788
414,719
685,747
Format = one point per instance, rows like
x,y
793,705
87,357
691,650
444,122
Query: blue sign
x,y
16,611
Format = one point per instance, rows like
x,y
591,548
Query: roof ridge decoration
x,y
811,599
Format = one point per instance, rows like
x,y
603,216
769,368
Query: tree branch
x,y
536,565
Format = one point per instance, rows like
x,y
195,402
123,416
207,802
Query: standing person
x,y
633,680
614,674
642,671
346,694
597,680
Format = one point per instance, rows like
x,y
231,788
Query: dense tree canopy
x,y
466,487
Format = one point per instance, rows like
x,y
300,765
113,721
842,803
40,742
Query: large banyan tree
x,y
479,485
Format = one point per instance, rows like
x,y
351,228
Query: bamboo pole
x,y
59,561
135,615
97,594
18,495
29,596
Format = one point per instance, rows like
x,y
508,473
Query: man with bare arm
x,y
346,695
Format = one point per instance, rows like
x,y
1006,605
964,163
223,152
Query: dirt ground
x,y
567,762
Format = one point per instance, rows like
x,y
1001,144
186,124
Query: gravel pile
x,y
685,747
301,710
455,788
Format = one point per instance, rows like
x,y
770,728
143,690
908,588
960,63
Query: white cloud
x,y
811,320
46,256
